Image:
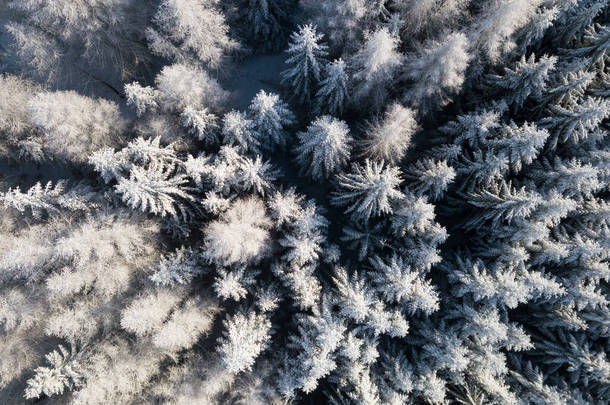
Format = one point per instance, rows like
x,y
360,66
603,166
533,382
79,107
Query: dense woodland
x,y
414,211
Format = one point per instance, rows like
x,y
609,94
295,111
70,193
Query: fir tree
x,y
244,338
180,267
333,94
375,65
575,123
307,54
265,19
429,177
237,130
63,373
270,117
201,123
155,189
368,191
324,148
389,138
143,98
437,72
527,79
187,29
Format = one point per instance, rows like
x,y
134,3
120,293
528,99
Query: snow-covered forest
x,y
265,202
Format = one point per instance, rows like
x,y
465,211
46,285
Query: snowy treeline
x,y
415,211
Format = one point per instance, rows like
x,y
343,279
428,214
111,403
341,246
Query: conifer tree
x,y
201,123
368,191
324,148
306,53
437,72
188,30
527,79
237,131
333,94
270,117
577,122
375,66
429,177
156,190
63,373
265,19
389,137
245,337
143,98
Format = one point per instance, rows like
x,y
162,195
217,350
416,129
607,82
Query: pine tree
x,y
575,17
596,41
528,78
341,20
246,335
333,94
155,189
374,67
234,284
241,235
534,31
570,178
368,191
356,298
324,148
237,130
256,175
187,29
143,98
389,138
415,215
143,151
201,123
270,117
437,72
180,267
284,206
502,202
364,239
64,373
521,145
307,53
265,19
481,169
305,236
319,336
429,177
398,283
575,123
567,88
50,199
475,127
